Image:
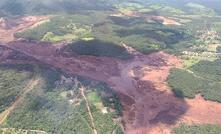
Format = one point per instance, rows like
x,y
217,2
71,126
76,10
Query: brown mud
x,y
149,106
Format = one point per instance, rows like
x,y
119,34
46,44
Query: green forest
x,y
47,106
197,129
62,102
202,78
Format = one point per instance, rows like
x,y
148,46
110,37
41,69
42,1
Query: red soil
x,y
160,19
17,24
149,106
165,20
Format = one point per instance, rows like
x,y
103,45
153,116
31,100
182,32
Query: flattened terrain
x,y
149,105
9,27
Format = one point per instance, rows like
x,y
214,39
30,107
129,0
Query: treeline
x,y
135,32
13,79
58,27
144,37
203,77
98,48
47,107
197,129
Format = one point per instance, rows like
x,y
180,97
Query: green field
x,y
56,30
136,32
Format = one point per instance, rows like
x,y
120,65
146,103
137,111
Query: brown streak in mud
x,y
149,106
18,25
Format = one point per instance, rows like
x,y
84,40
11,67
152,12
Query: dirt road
x,y
27,89
19,24
149,106
89,110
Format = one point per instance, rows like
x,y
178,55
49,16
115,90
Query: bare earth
x,y
11,26
161,19
165,20
149,106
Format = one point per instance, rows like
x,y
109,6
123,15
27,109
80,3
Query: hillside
x,y
110,67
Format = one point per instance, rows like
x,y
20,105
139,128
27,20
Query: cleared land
x,y
162,111
140,82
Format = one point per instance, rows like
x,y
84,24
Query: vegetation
x,y
199,9
17,131
105,106
218,49
208,69
197,129
13,7
99,28
57,29
21,7
203,78
98,48
12,81
144,36
109,98
57,106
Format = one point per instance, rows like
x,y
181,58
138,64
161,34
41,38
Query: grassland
x,y
56,30
136,32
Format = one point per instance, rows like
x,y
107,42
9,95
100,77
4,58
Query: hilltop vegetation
x,y
139,32
57,29
98,48
18,7
199,9
141,35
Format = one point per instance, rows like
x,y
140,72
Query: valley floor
x,y
149,105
